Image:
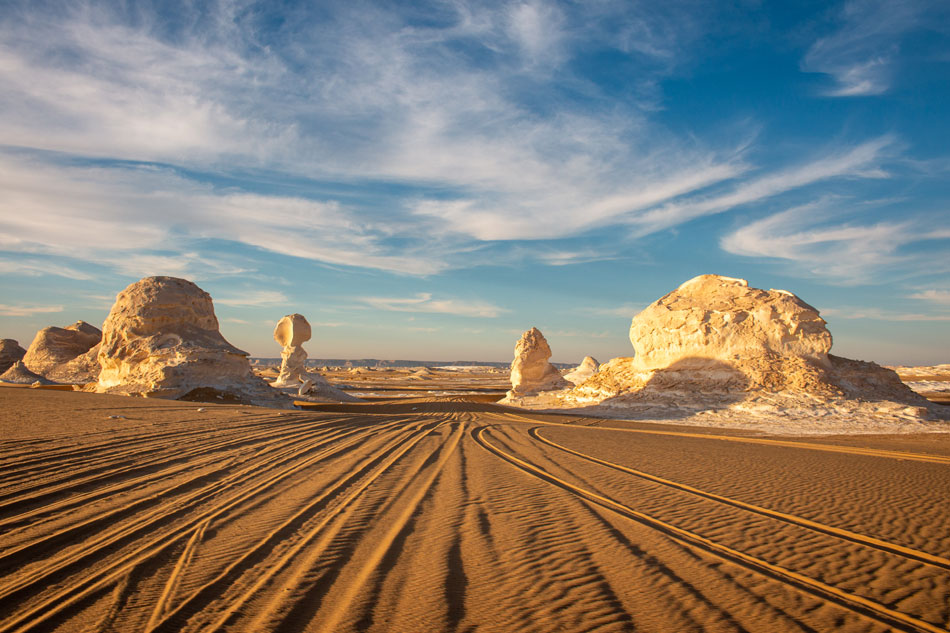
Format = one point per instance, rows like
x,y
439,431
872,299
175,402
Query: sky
x,y
427,180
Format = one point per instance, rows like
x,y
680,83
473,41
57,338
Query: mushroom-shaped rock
x,y
10,352
530,370
722,318
582,372
291,332
161,340
19,374
54,346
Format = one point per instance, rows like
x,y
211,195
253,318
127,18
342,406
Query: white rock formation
x,y
582,372
291,333
10,352
55,346
18,374
530,370
82,370
714,341
161,340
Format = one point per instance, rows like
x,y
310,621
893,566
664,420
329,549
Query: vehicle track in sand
x,y
446,516
859,604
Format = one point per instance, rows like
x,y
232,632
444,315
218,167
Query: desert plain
x,y
450,513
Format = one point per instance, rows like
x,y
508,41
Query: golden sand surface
x,y
129,514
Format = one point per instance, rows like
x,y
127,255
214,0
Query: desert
x,y
163,497
468,316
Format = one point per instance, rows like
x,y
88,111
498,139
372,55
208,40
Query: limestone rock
x,y
10,352
83,369
716,339
161,339
54,346
291,332
19,374
722,318
530,370
588,367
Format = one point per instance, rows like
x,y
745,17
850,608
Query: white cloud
x,y
861,161
878,314
254,298
861,56
35,267
932,295
423,302
816,238
19,311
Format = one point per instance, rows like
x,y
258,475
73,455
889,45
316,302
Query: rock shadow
x,y
686,387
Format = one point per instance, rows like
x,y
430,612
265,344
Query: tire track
x,y
100,578
357,482
852,602
207,450
831,448
890,548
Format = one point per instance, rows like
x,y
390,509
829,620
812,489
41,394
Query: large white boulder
x,y
722,318
531,372
56,346
291,333
582,372
161,339
10,352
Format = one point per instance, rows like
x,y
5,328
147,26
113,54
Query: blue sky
x,y
428,180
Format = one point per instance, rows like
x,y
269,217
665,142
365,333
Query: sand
x,y
447,515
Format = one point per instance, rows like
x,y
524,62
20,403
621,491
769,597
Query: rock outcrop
x,y
82,370
10,352
716,338
18,374
291,333
56,346
582,372
161,339
530,370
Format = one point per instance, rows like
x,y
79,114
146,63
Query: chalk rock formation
x,y
10,352
530,370
717,337
82,370
582,372
722,318
19,374
291,333
161,340
54,346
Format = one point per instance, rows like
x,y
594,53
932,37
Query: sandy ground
x,y
445,515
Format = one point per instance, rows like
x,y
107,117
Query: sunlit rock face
x,y
83,369
723,319
530,370
291,333
715,336
588,367
56,346
161,339
10,352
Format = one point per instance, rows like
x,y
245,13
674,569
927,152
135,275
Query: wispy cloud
x,y
932,295
254,298
19,311
861,56
880,315
861,161
423,302
820,239
35,267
